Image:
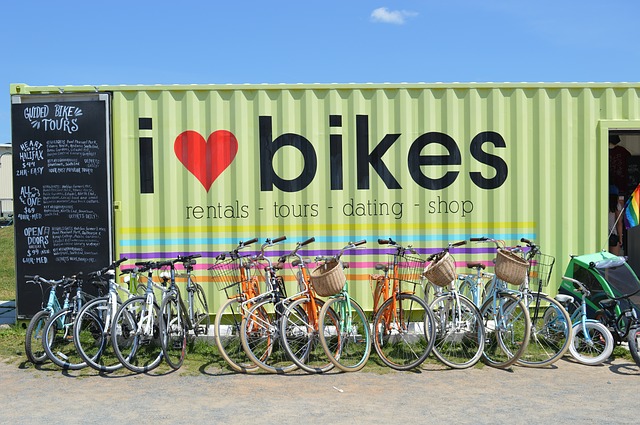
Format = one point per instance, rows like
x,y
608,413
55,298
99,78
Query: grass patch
x,y
7,264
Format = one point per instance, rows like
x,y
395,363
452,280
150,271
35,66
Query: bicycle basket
x,y
410,269
225,273
540,270
328,278
511,267
442,270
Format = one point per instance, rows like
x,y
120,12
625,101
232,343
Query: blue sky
x,y
192,42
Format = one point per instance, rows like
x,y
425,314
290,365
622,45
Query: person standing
x,y
615,221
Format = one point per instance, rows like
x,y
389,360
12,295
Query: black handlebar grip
x,y
362,242
459,243
250,241
525,240
482,239
308,241
384,241
280,239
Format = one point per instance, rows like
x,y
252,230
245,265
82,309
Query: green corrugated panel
x,y
555,190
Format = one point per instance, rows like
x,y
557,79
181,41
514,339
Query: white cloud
x,y
386,16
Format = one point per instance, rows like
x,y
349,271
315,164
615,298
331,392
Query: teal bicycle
x,y
58,331
347,344
34,337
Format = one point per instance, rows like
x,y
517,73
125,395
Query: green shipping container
x,y
197,168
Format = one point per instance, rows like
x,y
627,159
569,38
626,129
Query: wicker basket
x,y
442,270
328,278
511,267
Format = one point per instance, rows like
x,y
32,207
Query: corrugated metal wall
x,y
555,152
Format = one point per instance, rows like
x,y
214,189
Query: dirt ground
x,y
564,393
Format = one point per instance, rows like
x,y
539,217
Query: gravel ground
x,y
567,392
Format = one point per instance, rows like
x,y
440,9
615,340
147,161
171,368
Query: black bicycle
x,y
620,316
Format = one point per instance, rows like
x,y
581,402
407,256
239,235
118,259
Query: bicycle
x,y
347,344
504,312
177,320
92,328
232,273
299,325
473,284
592,341
550,339
58,331
403,324
459,328
619,315
259,329
136,326
34,336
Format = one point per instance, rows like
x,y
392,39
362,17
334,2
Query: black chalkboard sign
x,y
61,189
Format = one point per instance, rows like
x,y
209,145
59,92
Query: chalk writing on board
x,y
59,118
31,201
31,159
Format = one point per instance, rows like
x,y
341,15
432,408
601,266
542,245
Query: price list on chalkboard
x,y
62,189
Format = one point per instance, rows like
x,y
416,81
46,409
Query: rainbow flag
x,y
632,210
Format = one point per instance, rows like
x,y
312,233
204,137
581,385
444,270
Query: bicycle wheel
x,y
300,337
135,335
550,331
431,291
592,343
459,336
95,347
347,345
227,336
58,340
507,329
33,347
260,337
403,332
173,331
634,343
201,318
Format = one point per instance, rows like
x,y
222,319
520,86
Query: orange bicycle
x,y
299,325
403,324
234,275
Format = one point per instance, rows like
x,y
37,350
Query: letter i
x,y
145,146
335,152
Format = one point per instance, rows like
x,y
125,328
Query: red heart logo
x,y
206,159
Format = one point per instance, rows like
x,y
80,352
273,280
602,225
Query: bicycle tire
x,y
227,336
95,348
173,331
431,291
33,340
407,339
201,317
58,341
260,337
300,337
506,339
348,349
593,350
139,350
634,343
550,339
459,340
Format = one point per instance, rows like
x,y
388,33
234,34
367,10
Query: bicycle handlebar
x,y
579,284
445,250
